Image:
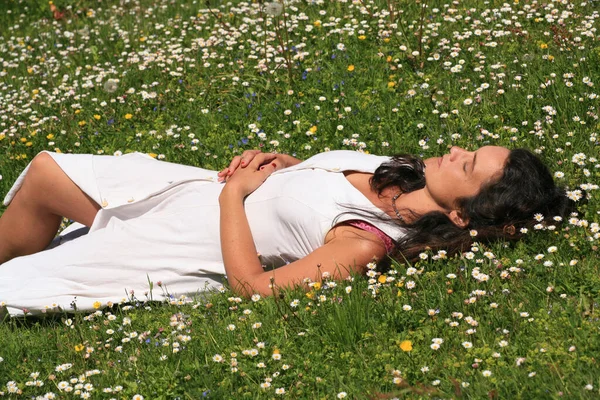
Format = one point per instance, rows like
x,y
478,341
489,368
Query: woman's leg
x,y
32,219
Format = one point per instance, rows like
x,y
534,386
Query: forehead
x,y
496,153
491,160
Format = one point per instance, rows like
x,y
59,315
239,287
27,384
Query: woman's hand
x,y
282,161
246,180
237,162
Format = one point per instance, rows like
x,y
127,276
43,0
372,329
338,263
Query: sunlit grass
x,y
197,86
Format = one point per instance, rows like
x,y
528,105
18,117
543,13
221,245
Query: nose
x,y
456,152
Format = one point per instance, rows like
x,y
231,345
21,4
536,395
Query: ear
x,y
457,219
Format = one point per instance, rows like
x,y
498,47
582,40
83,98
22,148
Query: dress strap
x,y
389,245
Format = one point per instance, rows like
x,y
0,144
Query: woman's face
x,y
461,173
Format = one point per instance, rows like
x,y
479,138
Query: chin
x,y
427,171
430,162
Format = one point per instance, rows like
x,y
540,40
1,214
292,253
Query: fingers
x,y
244,160
263,159
235,163
248,156
224,173
263,167
232,166
238,161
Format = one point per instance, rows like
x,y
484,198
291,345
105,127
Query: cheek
x,y
461,187
472,188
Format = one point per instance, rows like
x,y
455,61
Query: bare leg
x,y
32,219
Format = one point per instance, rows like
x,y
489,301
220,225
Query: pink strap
x,y
389,245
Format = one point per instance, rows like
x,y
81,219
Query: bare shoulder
x,y
356,239
346,250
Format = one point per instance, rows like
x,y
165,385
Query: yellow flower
x,y
128,116
317,285
77,111
82,123
153,155
35,91
2,136
30,70
143,39
406,345
23,140
79,347
543,46
381,279
550,57
388,58
399,293
362,37
386,40
97,305
317,23
97,117
310,295
29,144
391,84
313,129
49,136
350,68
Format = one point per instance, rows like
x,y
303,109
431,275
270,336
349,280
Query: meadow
x,y
198,82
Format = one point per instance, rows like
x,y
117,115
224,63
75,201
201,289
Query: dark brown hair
x,y
499,211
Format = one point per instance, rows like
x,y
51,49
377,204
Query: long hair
x,y
500,211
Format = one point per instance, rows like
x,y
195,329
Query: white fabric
x,y
160,222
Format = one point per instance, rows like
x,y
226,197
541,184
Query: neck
x,y
412,205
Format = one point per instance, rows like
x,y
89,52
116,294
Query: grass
x,y
190,84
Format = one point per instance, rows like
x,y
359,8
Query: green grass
x,y
529,72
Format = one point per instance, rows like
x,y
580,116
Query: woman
x,y
186,226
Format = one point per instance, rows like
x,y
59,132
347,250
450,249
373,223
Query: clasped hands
x,y
248,171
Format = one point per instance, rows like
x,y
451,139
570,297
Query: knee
x,y
42,161
40,172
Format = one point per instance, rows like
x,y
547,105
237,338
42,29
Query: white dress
x,y
160,222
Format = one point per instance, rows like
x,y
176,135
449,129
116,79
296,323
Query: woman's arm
x,y
349,250
349,253
237,245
